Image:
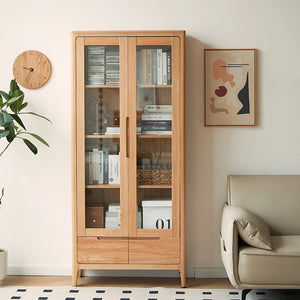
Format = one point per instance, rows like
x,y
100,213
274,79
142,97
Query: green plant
x,y
11,125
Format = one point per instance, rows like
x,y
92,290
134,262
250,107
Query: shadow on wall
x,y
201,223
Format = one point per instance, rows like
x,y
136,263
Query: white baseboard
x,y
67,271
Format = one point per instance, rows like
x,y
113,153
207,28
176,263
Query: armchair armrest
x,y
229,244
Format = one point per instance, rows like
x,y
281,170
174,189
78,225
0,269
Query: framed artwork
x,y
230,87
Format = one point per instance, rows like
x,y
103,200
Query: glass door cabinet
x,y
128,151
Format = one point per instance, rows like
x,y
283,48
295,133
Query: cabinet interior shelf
x,y
102,86
102,186
103,136
154,86
155,186
154,136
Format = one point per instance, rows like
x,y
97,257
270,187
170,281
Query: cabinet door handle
x,y
127,136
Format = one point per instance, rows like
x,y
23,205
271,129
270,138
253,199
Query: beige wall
x,y
35,219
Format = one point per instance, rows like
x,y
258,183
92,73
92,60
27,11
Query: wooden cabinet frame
x,y
165,247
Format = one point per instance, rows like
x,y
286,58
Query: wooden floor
x,y
144,282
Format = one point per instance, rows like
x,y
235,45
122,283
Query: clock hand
x,y
30,69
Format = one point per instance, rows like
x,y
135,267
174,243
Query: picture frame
x,y
230,87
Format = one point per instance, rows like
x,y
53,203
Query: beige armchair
x,y
260,232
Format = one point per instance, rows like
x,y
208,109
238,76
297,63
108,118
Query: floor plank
x,y
143,282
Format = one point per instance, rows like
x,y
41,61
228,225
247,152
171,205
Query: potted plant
x,y
12,128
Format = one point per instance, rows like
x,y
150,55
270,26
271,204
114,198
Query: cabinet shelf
x,y
102,186
156,186
103,136
154,136
154,86
102,86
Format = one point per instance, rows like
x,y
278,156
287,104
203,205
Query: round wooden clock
x,y
32,69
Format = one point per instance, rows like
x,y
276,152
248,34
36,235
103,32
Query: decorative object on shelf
x,y
94,216
98,115
32,69
230,87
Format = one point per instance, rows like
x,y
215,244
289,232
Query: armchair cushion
x,y
251,228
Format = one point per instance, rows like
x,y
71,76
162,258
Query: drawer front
x,y
154,251
102,250
94,217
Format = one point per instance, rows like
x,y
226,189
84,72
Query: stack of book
x,y
112,216
112,66
116,130
154,67
112,130
102,167
157,119
96,65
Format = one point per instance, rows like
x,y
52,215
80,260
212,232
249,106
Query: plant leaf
x,y
1,101
3,133
14,99
23,105
16,106
39,138
6,96
5,119
32,147
18,120
13,87
11,136
32,113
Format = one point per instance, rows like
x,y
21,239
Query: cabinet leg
x,y
182,278
79,273
75,276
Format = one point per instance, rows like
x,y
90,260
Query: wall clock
x,y
32,69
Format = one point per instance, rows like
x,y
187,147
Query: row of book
x,y
112,216
153,66
103,65
157,119
102,167
116,130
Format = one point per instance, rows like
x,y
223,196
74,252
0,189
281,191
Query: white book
x,y
157,132
114,168
164,69
159,66
101,165
96,162
157,116
114,207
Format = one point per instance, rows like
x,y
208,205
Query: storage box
x,y
157,214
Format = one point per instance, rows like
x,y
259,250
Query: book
x,y
156,128
169,68
164,68
159,66
157,132
148,66
157,108
114,168
156,116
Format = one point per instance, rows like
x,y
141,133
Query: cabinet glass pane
x,y
154,136
102,136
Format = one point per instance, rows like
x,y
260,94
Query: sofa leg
x,y
244,293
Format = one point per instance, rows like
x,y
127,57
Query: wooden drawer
x,y
154,251
102,250
94,217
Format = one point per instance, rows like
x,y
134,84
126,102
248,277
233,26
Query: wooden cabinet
x,y
128,151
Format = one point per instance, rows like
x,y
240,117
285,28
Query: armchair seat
x,y
260,232
279,266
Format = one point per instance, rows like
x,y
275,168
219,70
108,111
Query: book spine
x,y
159,66
158,108
154,66
156,128
105,167
156,123
143,66
101,167
164,68
169,68
154,116
114,169
157,132
138,67
95,163
148,66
